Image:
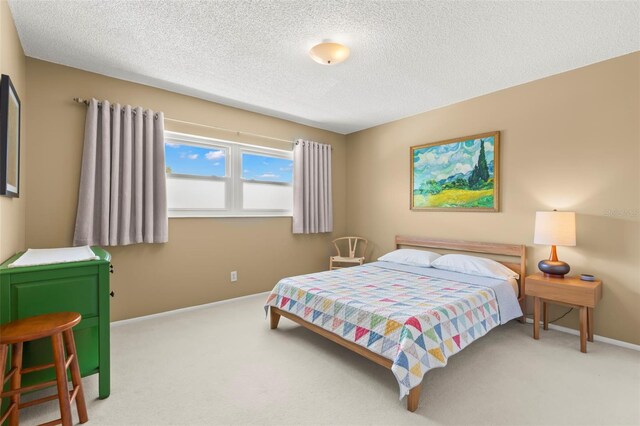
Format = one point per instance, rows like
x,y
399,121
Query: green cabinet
x,y
77,287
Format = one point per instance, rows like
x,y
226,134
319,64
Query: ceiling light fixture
x,y
329,53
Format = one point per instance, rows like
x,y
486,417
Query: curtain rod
x,y
237,132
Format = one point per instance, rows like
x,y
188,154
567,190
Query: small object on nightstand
x,y
568,291
555,229
587,277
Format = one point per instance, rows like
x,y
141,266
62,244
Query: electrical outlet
x,y
234,276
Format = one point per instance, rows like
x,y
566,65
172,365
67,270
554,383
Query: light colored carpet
x,y
222,365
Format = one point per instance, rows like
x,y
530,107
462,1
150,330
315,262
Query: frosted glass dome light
x,y
329,53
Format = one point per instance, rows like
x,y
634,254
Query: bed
x,y
407,319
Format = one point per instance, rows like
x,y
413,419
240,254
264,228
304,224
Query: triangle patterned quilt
x,y
416,321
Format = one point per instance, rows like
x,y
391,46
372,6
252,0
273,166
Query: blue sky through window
x,y
195,160
265,168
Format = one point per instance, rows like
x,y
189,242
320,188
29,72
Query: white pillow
x,y
410,257
473,265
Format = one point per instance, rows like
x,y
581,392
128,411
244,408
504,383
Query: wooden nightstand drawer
x,y
565,290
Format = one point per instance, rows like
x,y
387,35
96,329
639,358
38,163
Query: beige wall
x,y
570,141
13,64
193,267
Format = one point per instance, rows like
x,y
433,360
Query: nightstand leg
x,y
545,315
536,318
583,329
590,323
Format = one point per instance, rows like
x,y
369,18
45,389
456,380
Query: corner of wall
x,y
13,64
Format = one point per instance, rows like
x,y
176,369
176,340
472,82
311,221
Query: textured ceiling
x,y
406,56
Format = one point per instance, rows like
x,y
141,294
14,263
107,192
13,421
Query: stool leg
x,y
16,362
76,379
61,379
3,364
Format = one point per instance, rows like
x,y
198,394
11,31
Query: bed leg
x,y
523,307
414,398
274,317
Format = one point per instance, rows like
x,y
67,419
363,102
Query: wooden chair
x,y
57,326
351,259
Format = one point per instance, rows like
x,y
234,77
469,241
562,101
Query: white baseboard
x,y
602,339
182,310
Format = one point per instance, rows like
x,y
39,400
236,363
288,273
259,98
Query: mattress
x,y
514,286
415,317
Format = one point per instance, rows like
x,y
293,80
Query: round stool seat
x,y
32,328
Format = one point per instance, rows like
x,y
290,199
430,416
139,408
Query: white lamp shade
x,y
329,53
555,228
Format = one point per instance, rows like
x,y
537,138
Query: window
x,y
210,177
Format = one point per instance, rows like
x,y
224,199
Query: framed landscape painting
x,y
459,174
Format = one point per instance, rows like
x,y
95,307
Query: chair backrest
x,y
353,246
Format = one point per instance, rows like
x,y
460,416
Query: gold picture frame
x,y
460,174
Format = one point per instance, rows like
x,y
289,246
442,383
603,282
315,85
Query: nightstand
x,y
568,291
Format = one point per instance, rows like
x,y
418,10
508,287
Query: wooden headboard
x,y
498,249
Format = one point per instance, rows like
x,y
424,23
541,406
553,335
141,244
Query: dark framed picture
x,y
9,139
461,174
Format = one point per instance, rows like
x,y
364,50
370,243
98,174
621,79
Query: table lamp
x,y
555,229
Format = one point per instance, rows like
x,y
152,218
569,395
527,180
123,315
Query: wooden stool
x,y
51,325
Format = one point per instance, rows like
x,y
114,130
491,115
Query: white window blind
x,y
210,177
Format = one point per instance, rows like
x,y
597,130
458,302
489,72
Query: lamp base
x,y
554,268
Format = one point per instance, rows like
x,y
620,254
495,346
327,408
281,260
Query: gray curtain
x,y
122,198
312,201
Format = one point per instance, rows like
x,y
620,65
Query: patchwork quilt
x,y
416,321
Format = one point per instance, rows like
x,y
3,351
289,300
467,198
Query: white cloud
x,y
216,163
214,155
268,175
424,159
445,157
285,169
173,145
430,157
488,146
247,171
192,156
461,168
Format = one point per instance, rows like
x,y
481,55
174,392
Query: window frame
x,y
233,177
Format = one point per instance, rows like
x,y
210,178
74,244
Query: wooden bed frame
x,y
498,249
